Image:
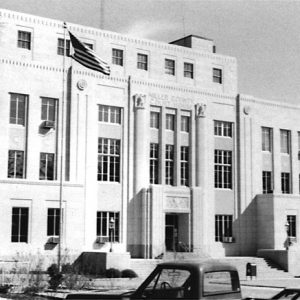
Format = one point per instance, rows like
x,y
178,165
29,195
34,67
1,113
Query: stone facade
x,y
152,217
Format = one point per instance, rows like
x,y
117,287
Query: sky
x,y
263,35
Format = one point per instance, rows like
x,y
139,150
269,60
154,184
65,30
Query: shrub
x,y
128,273
113,273
56,277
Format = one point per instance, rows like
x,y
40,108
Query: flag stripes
x,y
87,57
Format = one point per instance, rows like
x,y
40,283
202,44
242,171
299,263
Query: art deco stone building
x,y
164,154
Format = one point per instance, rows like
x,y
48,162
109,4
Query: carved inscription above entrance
x,y
177,203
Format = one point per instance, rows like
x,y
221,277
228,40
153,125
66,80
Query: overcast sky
x,y
264,36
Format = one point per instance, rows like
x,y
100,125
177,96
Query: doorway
x,y
171,232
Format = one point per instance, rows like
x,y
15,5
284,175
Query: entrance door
x,y
171,232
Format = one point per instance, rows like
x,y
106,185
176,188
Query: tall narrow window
x,y
108,226
61,47
154,119
285,141
217,75
142,61
185,124
24,39
298,145
223,228
266,138
184,165
285,183
154,166
47,171
109,114
267,182
170,66
53,222
169,180
223,169
188,70
292,229
48,111
17,109
108,160
170,122
117,57
16,164
19,228
223,128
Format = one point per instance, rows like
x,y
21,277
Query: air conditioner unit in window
x,y
53,240
49,124
102,239
228,239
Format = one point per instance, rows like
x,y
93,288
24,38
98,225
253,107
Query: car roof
x,y
211,265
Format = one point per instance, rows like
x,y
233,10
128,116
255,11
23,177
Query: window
x,y
47,171
154,153
24,39
285,183
109,114
18,108
184,166
169,66
107,229
170,122
298,145
16,168
223,169
266,137
142,61
61,47
108,160
53,221
223,228
217,75
117,57
19,228
292,229
285,141
154,119
267,182
48,111
223,128
188,70
169,180
185,124
89,45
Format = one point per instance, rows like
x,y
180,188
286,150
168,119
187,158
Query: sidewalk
x,y
272,283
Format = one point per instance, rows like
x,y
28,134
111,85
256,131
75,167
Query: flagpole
x,y
61,175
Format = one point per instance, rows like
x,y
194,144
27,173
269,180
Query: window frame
x,y
217,75
142,61
292,229
15,158
286,183
285,141
18,115
185,124
169,66
188,70
223,129
266,139
105,216
154,163
184,166
223,169
223,227
24,39
109,114
117,57
53,228
19,216
48,158
267,182
48,104
109,160
169,164
170,122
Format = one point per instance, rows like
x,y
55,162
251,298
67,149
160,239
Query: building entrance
x,y
171,232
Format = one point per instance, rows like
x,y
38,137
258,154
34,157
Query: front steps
x,y
266,269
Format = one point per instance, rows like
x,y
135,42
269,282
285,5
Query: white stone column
x,y
276,161
141,142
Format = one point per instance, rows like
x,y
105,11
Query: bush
x,y
113,273
128,273
56,277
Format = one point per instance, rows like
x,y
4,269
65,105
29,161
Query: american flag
x,y
87,57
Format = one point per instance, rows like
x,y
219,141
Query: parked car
x,y
181,280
